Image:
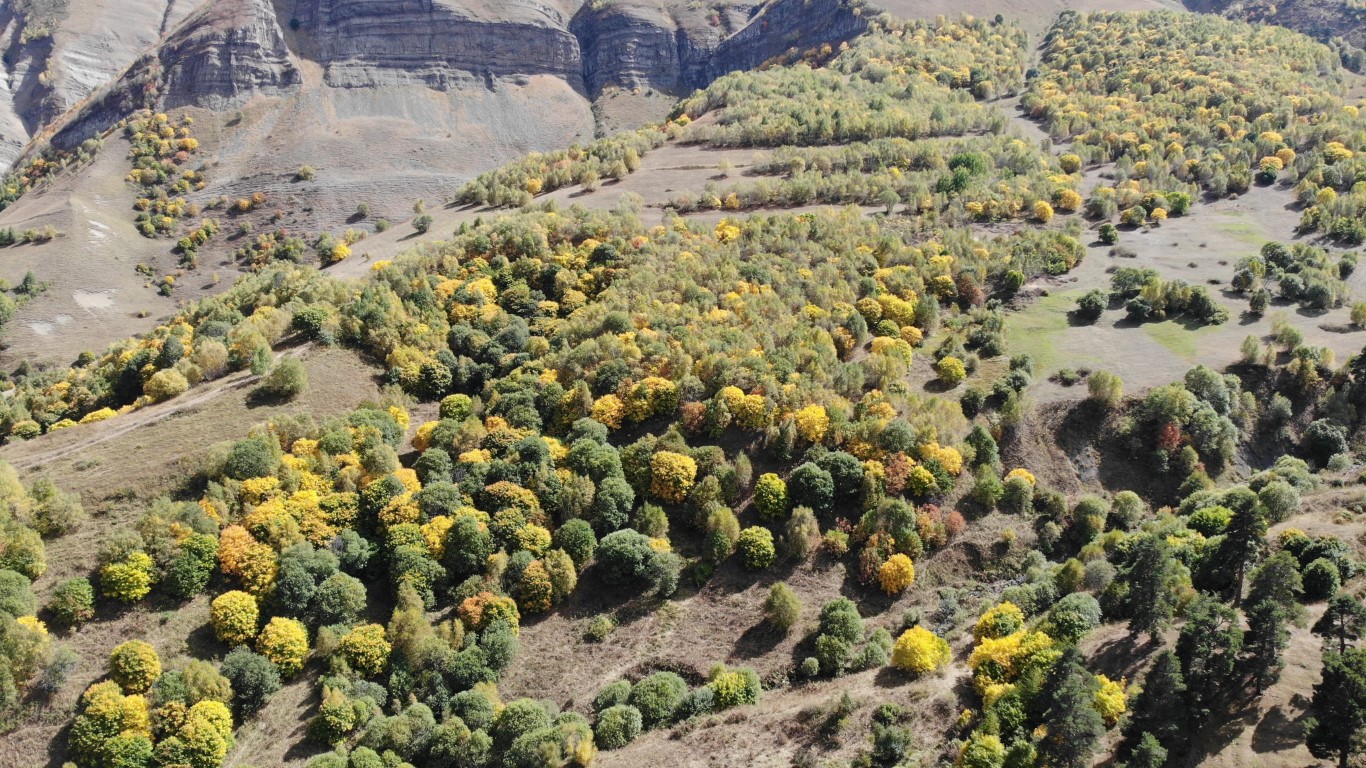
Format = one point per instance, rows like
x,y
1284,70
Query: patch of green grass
x,y
1177,338
1236,225
1037,329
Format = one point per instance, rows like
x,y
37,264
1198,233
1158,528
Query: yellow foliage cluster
x,y
285,642
749,411
1000,620
651,396
1111,699
134,665
920,651
483,609
672,476
609,411
949,458
240,555
130,579
896,574
366,649
234,616
1002,659
434,532
1043,212
1068,200
812,423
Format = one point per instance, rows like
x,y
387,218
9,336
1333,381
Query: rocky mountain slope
x,y
57,52
225,53
1322,19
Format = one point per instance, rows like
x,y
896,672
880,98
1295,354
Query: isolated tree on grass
x,y
287,381
1208,647
1148,754
1338,728
254,680
782,607
1343,620
1160,707
1266,640
1106,388
1277,581
1244,540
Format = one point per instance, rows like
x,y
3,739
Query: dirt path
x,y
112,429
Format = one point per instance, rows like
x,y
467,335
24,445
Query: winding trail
x,y
102,432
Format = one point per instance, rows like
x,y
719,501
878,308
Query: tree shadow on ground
x,y
1282,727
757,641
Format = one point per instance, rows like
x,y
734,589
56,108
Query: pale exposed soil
x,y
94,294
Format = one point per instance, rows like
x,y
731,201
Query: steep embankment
x,y
58,52
1322,19
228,52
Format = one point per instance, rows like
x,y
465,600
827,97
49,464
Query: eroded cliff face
x,y
1322,19
787,25
671,47
655,45
226,53
57,54
437,43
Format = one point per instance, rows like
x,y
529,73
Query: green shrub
x,y
1072,617
617,726
340,599
756,549
73,602
1322,579
782,607
474,708
134,665
254,680
252,457
599,628
1092,304
16,594
658,698
190,571
577,539
54,512
612,694
624,556
517,718
287,381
